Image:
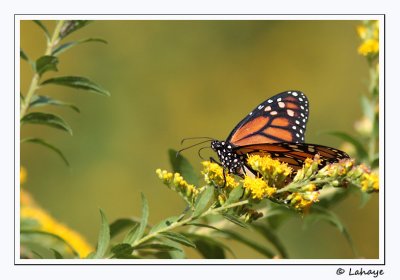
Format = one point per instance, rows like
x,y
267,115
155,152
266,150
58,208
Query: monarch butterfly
x,y
276,127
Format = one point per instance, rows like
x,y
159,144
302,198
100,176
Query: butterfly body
x,y
275,127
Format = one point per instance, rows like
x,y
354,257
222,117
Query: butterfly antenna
x,y
191,138
191,146
199,151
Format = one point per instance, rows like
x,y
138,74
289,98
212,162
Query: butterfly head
x,y
228,157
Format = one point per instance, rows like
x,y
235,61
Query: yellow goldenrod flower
x,y
369,182
303,201
176,182
22,175
257,188
273,171
369,46
362,31
50,225
213,174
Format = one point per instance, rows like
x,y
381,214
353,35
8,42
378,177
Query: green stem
x,y
295,186
188,220
36,77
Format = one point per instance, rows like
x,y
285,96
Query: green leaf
x,y
175,254
45,233
121,250
119,225
177,237
47,145
156,246
46,63
203,200
235,195
250,243
62,48
46,32
70,26
235,220
318,213
57,254
130,236
23,55
181,165
40,100
332,196
277,214
78,83
143,221
46,119
104,237
164,223
209,247
271,236
361,152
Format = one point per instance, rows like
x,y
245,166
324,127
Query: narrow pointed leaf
x,y
46,119
119,225
46,63
181,165
23,55
40,100
319,213
47,145
121,250
104,237
272,237
143,221
235,195
156,246
250,243
62,48
209,247
78,83
177,237
235,220
45,233
203,200
46,32
57,254
362,153
130,236
70,26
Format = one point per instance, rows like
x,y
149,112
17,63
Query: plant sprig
x,y
49,63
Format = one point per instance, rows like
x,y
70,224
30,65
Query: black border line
x,y
213,264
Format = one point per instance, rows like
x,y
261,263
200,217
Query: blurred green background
x,y
176,79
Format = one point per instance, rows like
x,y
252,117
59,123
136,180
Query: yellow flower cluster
x,y
176,182
369,182
22,175
369,34
273,171
45,222
50,225
213,174
302,201
257,188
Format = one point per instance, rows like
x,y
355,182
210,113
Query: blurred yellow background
x,y
175,79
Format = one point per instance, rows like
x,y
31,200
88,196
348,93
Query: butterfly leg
x,y
223,169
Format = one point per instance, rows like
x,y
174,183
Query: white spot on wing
x,y
269,101
273,113
290,112
294,94
281,104
268,108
